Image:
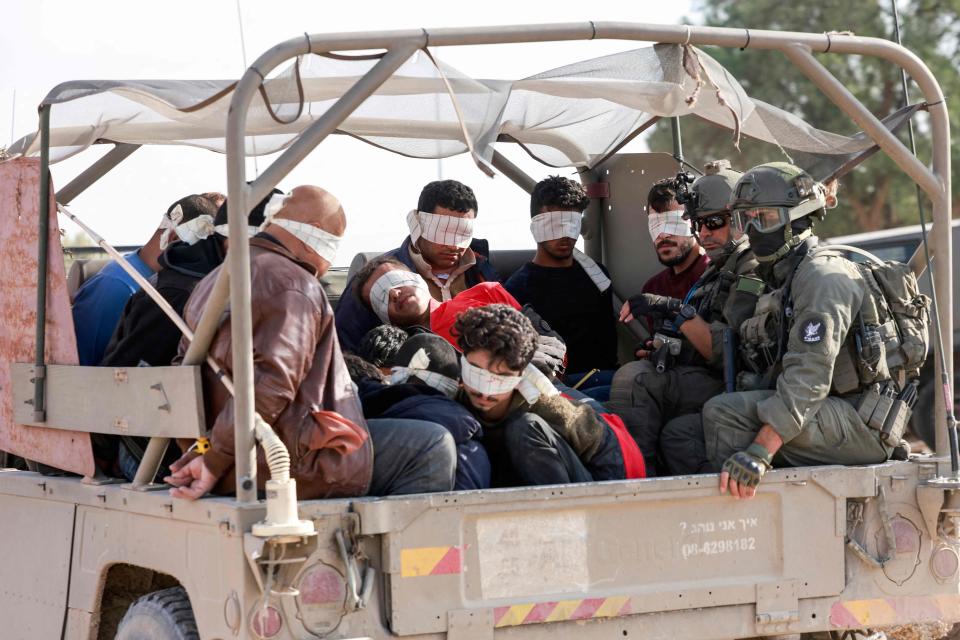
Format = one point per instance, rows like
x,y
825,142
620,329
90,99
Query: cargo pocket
x,y
727,441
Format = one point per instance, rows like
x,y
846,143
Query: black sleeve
x,y
145,333
518,285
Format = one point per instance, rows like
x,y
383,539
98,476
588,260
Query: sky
x,y
46,42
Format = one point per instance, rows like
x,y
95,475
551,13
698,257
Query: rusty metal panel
x,y
35,570
551,555
135,401
19,207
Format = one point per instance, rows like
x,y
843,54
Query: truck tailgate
x,y
525,556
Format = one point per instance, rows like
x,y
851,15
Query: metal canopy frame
x,y
399,45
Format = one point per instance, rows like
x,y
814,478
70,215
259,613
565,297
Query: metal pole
x,y
43,246
239,194
801,57
94,172
517,175
950,441
331,119
677,140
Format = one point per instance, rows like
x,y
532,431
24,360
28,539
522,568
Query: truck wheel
x,y
161,615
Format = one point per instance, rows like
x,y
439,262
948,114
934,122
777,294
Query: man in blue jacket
x,y
440,247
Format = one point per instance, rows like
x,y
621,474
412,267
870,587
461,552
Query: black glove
x,y
650,304
747,467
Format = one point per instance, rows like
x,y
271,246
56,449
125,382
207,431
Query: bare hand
x,y
738,491
625,313
191,481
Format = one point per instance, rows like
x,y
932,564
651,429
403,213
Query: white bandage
x,y
593,270
531,385
224,230
323,243
418,367
274,204
191,231
535,384
554,225
446,230
380,291
668,222
195,230
486,382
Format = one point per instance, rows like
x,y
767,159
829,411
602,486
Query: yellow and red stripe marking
x,y
562,610
431,561
856,614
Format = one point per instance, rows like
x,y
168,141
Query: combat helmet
x,y
710,193
705,203
772,203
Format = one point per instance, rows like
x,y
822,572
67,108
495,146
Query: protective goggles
x,y
712,222
769,219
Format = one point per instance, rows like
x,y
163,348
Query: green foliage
x,y
877,194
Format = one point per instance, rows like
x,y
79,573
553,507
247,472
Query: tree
x,y
877,194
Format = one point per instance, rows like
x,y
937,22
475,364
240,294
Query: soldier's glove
x,y
650,304
549,356
747,467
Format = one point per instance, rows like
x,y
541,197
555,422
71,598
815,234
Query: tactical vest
x,y
887,341
723,278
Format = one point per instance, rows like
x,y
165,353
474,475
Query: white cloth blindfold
x,y
380,291
668,222
554,225
224,230
323,243
191,232
531,385
446,230
418,367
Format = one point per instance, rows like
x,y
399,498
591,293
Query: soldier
x,y
650,392
805,347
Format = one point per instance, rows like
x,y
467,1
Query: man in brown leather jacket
x,y
301,382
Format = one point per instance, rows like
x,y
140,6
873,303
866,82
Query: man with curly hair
x,y
566,287
440,248
532,435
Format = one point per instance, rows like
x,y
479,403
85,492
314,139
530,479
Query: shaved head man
x,y
302,386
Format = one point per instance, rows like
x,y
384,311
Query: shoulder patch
x,y
813,331
753,286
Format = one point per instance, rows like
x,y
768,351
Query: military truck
x,y
820,549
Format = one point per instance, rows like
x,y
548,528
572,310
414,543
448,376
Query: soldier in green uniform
x,y
800,347
649,392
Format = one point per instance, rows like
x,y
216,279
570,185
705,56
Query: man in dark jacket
x,y
532,434
423,384
302,388
440,248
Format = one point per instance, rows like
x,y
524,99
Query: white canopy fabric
x,y
571,116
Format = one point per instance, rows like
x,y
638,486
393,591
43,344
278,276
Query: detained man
x,y
533,435
567,288
302,386
440,248
401,298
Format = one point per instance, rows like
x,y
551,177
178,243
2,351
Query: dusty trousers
x,y
834,434
646,400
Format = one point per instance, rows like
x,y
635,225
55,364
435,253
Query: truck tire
x,y
161,615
